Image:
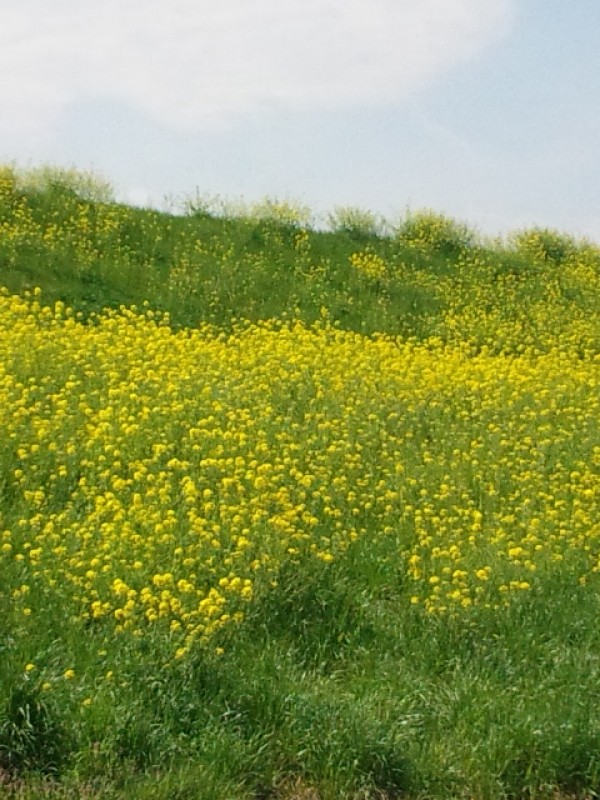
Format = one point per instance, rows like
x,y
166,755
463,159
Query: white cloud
x,y
193,64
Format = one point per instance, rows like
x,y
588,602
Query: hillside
x,y
432,277
291,513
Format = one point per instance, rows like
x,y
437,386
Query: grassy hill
x,y
294,513
432,277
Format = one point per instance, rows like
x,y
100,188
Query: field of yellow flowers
x,y
151,478
287,550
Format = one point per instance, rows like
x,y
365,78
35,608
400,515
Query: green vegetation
x,y
429,276
292,513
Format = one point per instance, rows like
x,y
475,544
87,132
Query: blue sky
x,y
485,110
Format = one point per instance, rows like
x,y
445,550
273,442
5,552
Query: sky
x,y
487,111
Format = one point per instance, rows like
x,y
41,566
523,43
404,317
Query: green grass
x,y
335,685
201,266
333,681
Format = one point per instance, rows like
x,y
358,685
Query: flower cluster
x,y
369,264
153,480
